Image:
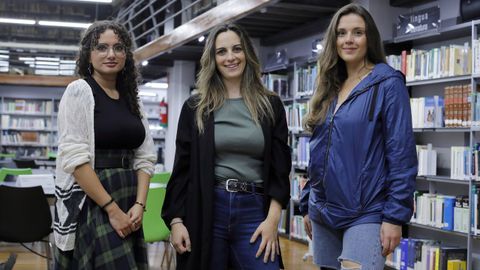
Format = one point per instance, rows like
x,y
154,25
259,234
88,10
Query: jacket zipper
x,y
330,128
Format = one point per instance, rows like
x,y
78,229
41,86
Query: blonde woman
x,y
363,161
232,163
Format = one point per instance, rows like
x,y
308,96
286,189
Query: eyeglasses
x,y
103,49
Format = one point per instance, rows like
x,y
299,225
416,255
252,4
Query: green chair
x,y
154,228
13,171
160,178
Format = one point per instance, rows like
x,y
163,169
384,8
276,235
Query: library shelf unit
x,y
28,126
465,133
158,131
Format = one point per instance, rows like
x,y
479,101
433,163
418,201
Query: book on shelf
x,y
460,162
425,254
444,61
427,112
427,160
278,84
475,210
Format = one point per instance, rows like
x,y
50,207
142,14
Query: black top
x,y
115,126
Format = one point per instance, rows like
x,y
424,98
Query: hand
x,y
180,238
136,216
390,235
119,220
308,226
268,229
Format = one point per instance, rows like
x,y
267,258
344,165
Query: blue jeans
x,y
359,244
236,216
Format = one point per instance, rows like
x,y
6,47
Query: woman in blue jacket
x,y
363,160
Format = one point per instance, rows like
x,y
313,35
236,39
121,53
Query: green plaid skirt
x,y
97,244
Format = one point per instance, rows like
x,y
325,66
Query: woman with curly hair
x,y
105,158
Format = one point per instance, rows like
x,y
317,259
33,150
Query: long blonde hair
x,y
332,71
212,91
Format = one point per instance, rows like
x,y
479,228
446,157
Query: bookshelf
x,y
464,132
158,131
28,125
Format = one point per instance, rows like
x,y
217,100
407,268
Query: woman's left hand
x,y
390,235
136,216
268,231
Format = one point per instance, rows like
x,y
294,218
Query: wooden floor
x,y
293,253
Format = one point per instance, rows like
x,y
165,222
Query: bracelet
x,y
175,222
142,205
108,203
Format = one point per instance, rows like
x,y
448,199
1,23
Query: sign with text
x,y
418,22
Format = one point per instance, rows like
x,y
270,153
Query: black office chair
x,y
25,163
25,216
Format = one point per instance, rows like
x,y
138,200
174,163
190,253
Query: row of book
x,y
295,114
277,83
24,106
427,112
445,61
476,56
448,213
301,152
282,224
424,254
8,122
458,108
25,137
476,209
427,160
296,185
306,80
297,228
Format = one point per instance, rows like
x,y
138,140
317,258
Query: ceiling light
x,y
4,51
157,85
144,63
39,58
68,62
4,56
96,1
45,66
64,24
16,21
201,38
46,72
26,58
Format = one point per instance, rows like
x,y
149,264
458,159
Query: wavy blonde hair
x,y
332,71
212,92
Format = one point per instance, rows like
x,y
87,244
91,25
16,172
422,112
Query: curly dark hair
x,y
127,79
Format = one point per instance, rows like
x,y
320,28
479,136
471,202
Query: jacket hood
x,y
382,72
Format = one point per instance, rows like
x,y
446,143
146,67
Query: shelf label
x,y
418,22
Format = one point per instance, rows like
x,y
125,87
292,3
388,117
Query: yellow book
x,y
437,258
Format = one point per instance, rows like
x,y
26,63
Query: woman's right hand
x,y
119,220
308,226
180,238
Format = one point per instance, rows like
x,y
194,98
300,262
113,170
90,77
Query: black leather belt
x,y
235,185
112,162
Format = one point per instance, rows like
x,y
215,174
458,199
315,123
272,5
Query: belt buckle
x,y
227,184
237,185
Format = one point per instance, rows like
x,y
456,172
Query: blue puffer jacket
x,y
363,161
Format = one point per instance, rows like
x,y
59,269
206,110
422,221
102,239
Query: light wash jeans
x,y
359,244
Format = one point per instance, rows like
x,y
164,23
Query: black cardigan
x,y
189,192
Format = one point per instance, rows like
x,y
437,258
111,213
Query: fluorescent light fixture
x,y
4,56
31,65
67,66
157,85
47,63
4,51
39,58
26,59
29,62
96,1
147,94
67,72
68,62
16,21
4,63
64,24
46,67
201,38
4,69
144,63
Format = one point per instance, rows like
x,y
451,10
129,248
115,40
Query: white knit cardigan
x,y
76,146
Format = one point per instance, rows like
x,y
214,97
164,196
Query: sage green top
x,y
239,143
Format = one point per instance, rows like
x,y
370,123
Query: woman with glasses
x,y
363,161
230,177
105,158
